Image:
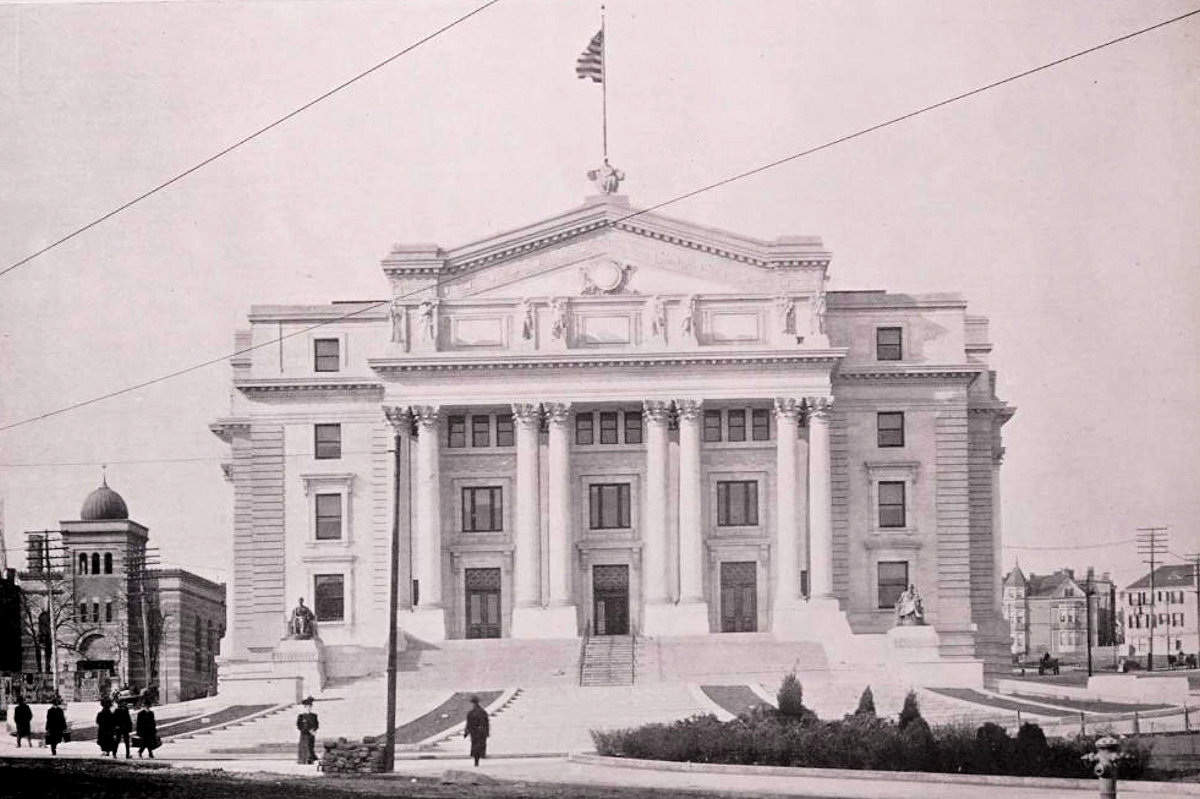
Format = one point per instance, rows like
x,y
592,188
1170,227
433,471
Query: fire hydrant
x,y
1107,759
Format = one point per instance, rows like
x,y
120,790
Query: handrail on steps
x,y
587,633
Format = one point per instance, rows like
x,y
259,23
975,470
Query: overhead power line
x,y
709,187
1066,548
246,139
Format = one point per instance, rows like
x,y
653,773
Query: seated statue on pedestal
x,y
302,625
909,612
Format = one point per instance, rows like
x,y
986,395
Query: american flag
x,y
590,63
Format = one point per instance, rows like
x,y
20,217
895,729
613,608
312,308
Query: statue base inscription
x,y
303,658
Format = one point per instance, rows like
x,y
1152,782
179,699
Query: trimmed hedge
x,y
861,741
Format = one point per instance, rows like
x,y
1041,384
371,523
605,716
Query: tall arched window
x,y
108,563
83,563
95,563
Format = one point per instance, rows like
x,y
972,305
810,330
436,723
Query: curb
x,y
1126,786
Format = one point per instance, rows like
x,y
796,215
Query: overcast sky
x,y
1065,206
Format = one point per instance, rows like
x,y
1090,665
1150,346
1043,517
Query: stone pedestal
x,y
300,658
424,624
556,621
913,655
912,644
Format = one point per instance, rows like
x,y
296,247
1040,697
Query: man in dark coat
x,y
478,729
122,726
106,731
147,730
23,718
56,725
307,723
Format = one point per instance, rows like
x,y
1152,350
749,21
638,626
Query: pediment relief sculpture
x,y
606,277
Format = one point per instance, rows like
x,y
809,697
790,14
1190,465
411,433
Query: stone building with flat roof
x,y
617,422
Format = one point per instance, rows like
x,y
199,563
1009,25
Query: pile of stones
x,y
351,757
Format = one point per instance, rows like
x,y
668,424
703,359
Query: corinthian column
x,y
787,531
820,497
559,466
527,537
691,533
428,620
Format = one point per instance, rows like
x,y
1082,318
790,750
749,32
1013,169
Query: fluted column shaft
x,y
559,467
691,538
820,497
527,538
787,532
429,516
654,525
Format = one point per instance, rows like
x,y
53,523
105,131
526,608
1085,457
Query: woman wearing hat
x,y
106,728
147,729
56,725
478,728
307,723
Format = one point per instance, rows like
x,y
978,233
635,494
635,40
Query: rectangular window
x,y
584,432
327,356
712,425
888,344
609,506
481,431
482,510
608,427
83,611
329,592
108,611
890,429
633,427
329,517
504,430
737,425
737,503
456,431
893,580
760,419
95,612
891,504
328,440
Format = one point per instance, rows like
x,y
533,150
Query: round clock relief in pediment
x,y
604,277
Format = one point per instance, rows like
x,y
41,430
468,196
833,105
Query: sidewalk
x,y
564,771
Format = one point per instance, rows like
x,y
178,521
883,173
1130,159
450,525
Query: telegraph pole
x,y
1195,558
401,423
1152,542
1087,610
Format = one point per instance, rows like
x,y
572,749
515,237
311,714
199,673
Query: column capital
x,y
398,417
656,411
426,415
689,409
819,407
557,413
787,408
527,413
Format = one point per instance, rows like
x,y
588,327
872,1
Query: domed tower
x,y
106,556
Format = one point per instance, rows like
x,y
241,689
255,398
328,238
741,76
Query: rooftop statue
x,y
608,178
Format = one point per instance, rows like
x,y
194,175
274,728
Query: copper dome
x,y
103,504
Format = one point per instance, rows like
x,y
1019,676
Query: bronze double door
x,y
739,597
483,603
610,600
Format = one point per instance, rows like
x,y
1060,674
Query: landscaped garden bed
x,y
792,735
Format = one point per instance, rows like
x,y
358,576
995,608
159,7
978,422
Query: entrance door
x,y
739,597
483,603
93,679
610,589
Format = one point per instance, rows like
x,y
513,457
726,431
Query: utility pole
x,y
1087,610
1152,542
1195,558
44,555
401,425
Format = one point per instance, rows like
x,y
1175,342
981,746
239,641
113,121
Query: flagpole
x,y
604,82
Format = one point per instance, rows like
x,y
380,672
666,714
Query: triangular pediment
x,y
578,253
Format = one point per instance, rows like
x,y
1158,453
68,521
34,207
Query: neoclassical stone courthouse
x,y
619,422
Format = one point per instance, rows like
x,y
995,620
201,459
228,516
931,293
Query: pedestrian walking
x,y
308,724
23,718
106,731
478,728
147,730
122,726
56,725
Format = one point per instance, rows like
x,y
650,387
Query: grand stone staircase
x,y
609,660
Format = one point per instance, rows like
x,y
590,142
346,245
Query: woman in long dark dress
x,y
307,724
56,725
106,728
478,728
147,730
